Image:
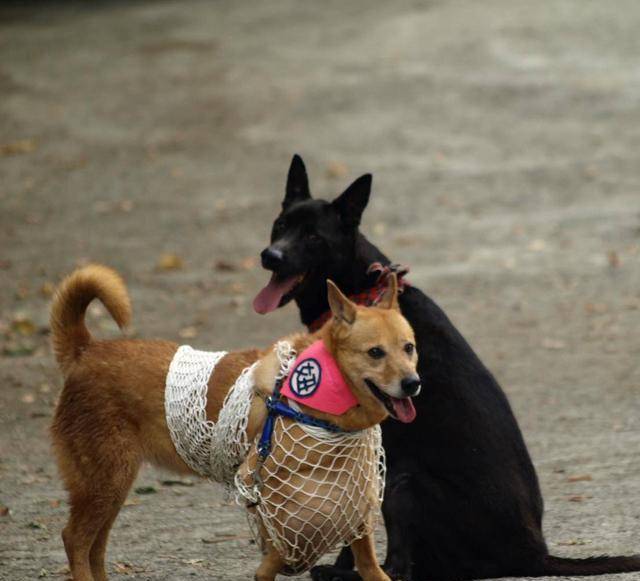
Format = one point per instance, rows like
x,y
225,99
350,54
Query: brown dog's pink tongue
x,y
269,297
404,409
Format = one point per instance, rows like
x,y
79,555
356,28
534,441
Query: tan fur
x,y
110,416
72,298
348,336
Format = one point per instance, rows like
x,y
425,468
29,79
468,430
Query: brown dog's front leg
x,y
271,564
366,560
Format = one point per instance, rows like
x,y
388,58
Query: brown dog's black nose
x,y
272,258
410,386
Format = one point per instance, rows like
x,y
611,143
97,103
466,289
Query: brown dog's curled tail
x,y
69,333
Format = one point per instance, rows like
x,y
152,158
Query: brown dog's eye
x,y
408,348
376,353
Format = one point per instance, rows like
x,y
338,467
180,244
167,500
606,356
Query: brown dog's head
x,y
375,350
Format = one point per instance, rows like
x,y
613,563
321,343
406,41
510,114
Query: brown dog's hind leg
x,y
77,544
98,463
94,508
119,492
366,560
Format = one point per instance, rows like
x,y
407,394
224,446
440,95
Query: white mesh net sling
x,y
315,491
214,450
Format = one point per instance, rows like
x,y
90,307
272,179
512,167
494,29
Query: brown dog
x,y
111,414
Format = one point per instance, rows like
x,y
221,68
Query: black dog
x,y
462,499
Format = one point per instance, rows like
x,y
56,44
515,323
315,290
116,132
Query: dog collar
x,y
371,296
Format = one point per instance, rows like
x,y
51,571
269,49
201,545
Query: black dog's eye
x,y
278,228
408,348
376,353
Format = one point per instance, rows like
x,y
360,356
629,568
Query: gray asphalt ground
x,y
505,145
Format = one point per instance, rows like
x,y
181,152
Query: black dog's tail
x,y
559,566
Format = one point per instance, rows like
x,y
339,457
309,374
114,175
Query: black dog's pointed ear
x,y
351,203
297,183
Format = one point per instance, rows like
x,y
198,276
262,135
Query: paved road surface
x,y
504,141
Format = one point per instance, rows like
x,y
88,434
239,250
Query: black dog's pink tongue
x,y
404,409
269,297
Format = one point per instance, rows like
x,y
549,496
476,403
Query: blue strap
x,y
276,407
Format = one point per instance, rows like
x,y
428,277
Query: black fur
x,y
462,499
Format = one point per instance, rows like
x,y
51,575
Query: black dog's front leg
x,y
341,570
399,515
332,573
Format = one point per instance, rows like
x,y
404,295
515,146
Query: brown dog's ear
x,y
389,300
342,308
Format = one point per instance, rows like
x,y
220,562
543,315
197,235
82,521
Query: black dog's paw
x,y
395,576
331,573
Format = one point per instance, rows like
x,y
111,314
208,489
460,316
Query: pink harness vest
x,y
316,381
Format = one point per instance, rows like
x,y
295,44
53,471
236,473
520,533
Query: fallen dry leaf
x,y
145,490
553,344
33,219
225,266
54,503
131,502
578,498
36,526
188,332
537,245
224,539
193,561
379,228
18,147
4,510
22,292
580,478
36,415
249,262
613,258
169,261
125,206
18,349
173,482
449,202
46,289
337,169
573,542
124,568
28,398
595,308
23,325
236,302
632,304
